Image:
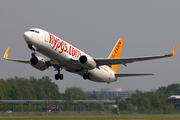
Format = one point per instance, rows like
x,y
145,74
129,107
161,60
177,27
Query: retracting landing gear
x,y
32,47
87,75
33,54
59,75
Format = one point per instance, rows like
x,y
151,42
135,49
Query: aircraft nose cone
x,y
27,36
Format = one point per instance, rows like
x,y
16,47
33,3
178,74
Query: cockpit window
x,y
34,31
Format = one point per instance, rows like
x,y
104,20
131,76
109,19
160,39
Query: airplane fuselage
x,y
64,53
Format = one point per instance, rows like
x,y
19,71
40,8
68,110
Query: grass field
x,y
89,117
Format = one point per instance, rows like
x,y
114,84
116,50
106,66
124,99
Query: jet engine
x,y
87,62
38,63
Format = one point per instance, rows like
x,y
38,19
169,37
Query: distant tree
x,y
110,98
1,94
150,100
122,105
2,89
78,93
46,89
136,98
162,98
155,101
28,89
94,95
118,97
169,107
130,107
142,108
128,100
146,102
26,93
100,106
171,89
15,93
68,96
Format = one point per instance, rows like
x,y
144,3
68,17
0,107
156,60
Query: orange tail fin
x,y
116,52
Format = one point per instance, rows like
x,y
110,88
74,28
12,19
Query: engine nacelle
x,y
38,63
87,62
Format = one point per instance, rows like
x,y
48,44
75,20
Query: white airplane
x,y
65,56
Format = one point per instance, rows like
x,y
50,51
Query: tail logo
x,y
116,52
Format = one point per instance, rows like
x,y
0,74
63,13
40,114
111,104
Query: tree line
x,y
29,89
151,101
41,89
38,89
44,89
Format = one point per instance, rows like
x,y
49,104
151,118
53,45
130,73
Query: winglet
x,y
172,53
6,53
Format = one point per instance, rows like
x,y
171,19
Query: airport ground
x,y
89,117
81,116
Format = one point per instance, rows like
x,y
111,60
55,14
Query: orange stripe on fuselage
x,y
116,52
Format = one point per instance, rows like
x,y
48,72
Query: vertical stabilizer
x,y
116,52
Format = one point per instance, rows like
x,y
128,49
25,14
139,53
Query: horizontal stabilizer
x,y
129,75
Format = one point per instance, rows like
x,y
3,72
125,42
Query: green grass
x,y
90,117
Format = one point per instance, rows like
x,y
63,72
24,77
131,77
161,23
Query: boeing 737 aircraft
x,y
63,55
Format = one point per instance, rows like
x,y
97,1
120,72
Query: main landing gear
x,y
59,75
87,76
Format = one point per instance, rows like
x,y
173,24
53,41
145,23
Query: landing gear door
x,y
46,37
46,41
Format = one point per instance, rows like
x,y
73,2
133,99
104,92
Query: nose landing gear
x,y
33,54
32,47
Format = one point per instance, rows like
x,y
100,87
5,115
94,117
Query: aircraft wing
x,y
16,60
124,61
49,63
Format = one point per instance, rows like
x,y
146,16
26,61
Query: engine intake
x,y
87,62
34,60
83,59
38,63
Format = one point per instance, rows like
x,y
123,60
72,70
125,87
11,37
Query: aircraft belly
x,y
100,75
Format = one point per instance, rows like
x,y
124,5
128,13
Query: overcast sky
x,y
148,27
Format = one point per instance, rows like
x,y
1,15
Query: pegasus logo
x,y
62,46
